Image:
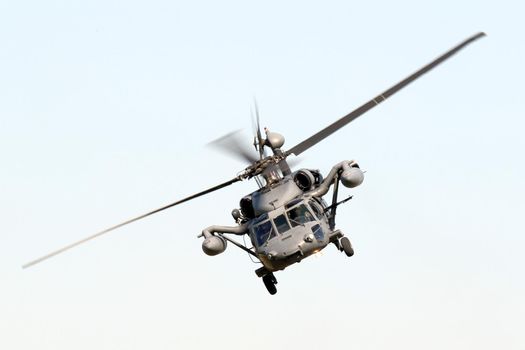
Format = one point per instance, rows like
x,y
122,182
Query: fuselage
x,y
286,219
290,233
290,224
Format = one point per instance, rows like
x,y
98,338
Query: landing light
x,y
318,253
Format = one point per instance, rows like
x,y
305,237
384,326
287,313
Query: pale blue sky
x,y
105,111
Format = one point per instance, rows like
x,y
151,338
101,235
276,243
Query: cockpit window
x,y
299,215
292,203
281,223
316,209
260,218
263,232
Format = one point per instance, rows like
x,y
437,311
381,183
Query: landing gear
x,y
342,243
269,282
346,246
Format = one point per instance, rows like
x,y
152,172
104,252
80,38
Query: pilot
x,y
308,216
300,215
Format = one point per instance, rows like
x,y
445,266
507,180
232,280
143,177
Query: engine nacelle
x,y
214,245
304,179
352,176
246,205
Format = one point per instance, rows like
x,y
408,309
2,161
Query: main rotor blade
x,y
233,145
260,141
63,249
312,140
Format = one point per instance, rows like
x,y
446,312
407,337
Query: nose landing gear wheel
x,y
269,282
347,246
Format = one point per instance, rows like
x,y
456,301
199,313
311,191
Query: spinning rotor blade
x,y
312,140
260,140
233,145
61,250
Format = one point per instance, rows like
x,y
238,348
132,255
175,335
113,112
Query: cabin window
x,y
264,232
281,223
299,215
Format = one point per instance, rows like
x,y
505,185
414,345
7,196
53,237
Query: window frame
x,y
292,221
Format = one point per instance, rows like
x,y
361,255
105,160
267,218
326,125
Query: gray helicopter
x,y
286,219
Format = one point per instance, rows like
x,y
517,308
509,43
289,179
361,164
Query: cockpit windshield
x,y
299,215
281,223
265,229
263,232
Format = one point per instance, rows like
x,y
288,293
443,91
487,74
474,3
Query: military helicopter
x,y
286,218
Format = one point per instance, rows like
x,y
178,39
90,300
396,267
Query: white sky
x,y
105,111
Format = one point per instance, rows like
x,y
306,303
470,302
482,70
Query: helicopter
x,y
286,218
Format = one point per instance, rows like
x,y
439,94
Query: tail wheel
x,y
347,246
270,282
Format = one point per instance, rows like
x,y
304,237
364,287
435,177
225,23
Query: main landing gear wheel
x,y
347,246
269,282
